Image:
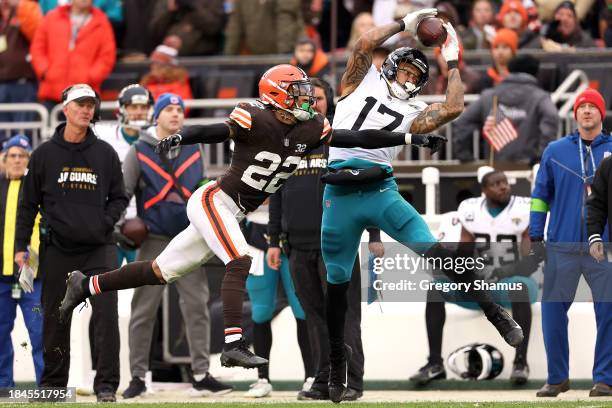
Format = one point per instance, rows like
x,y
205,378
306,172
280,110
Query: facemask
x,y
137,124
304,113
400,91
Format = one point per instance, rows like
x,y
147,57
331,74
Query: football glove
x,y
450,49
412,20
168,143
431,141
538,250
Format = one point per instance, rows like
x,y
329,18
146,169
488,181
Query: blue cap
x,y
164,100
19,141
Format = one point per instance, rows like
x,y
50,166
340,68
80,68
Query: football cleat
x,y
428,373
240,356
136,388
507,327
74,296
338,373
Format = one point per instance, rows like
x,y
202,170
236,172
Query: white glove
x,y
413,19
26,278
450,49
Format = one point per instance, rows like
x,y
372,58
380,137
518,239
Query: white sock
x,y
199,377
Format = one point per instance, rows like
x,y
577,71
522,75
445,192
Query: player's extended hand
x,y
413,19
450,49
168,143
431,141
21,258
597,251
273,257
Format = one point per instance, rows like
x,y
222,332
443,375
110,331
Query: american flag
x,y
499,131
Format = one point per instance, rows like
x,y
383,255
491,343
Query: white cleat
x,y
261,388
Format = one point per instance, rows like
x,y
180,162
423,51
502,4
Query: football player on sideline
x,y
270,138
384,100
498,222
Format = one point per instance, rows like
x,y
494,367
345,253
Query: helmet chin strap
x,y
400,91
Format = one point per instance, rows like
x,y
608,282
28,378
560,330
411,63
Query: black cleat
x,y
352,394
315,393
338,372
74,296
520,373
507,327
106,396
136,388
240,356
428,373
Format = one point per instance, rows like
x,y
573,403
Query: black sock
x,y
521,313
337,305
132,275
435,317
305,349
262,343
233,290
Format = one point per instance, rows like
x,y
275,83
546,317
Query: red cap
x,y
590,95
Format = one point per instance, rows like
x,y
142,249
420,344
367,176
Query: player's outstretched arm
x,y
217,133
375,139
361,58
438,114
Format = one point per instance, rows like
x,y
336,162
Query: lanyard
x,y
582,160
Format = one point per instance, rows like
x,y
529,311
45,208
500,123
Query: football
x,y
431,32
136,230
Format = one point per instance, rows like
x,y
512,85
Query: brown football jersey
x,y
266,152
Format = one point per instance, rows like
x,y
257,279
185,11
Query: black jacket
x,y
297,208
599,203
79,188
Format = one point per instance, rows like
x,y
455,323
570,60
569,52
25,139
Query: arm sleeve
x,y
597,203
29,16
374,234
106,56
274,223
117,200
549,123
31,199
367,139
39,51
217,133
131,172
541,197
463,129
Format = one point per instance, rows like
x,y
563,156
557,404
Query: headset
x,y
96,115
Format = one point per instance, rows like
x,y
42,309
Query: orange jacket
x,y
29,16
57,67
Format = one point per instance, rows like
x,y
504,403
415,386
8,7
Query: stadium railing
x,y
37,129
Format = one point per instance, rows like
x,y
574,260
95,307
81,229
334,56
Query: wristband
x,y
452,64
402,25
408,138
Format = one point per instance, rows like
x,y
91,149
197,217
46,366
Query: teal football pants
x,y
347,211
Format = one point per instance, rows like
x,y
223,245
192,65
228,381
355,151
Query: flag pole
x,y
491,150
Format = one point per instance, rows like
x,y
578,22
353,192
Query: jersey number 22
x,y
265,182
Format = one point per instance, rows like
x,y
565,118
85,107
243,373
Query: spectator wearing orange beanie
x,y
513,15
503,48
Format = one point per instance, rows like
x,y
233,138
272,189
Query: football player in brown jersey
x,y
270,135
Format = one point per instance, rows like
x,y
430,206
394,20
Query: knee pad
x,y
398,214
261,313
337,274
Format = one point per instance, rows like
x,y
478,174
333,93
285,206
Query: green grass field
x,y
543,404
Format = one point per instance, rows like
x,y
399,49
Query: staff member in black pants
x,y
296,211
76,180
